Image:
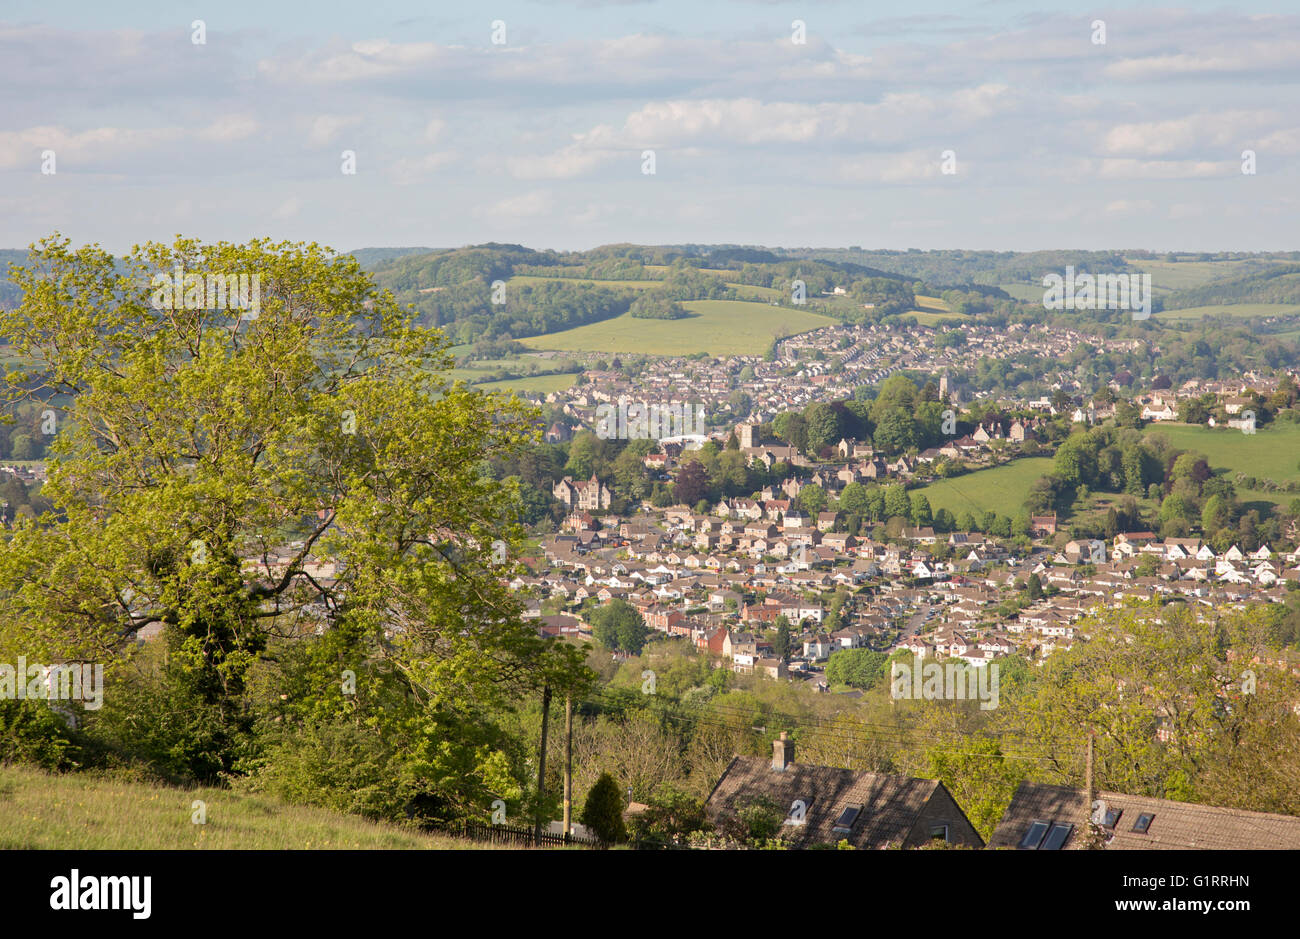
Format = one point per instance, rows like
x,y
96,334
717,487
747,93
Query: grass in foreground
x,y
40,811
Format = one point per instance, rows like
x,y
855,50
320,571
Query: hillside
x,y
48,812
718,327
1278,283
1001,489
1268,454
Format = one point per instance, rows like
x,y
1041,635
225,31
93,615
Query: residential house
x,y
1043,817
826,805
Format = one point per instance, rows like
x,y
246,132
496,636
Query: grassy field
x,y
634,284
719,327
1177,275
1031,292
543,384
1001,489
44,812
929,318
537,384
930,311
751,292
746,291
1166,276
1242,310
1270,453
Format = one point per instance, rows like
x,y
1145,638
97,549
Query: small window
x,y
1034,837
844,824
939,832
1056,837
1143,822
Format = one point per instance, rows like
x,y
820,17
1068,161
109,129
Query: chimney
x,y
782,753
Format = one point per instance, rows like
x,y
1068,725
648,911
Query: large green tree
x,y
292,473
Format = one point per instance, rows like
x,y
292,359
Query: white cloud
x,y
409,170
1162,169
325,128
289,208
230,127
1227,130
518,208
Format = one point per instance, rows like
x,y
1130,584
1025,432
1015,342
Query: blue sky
x,y
1057,141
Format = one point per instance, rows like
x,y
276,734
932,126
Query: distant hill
x,y
10,295
371,257
960,268
1277,284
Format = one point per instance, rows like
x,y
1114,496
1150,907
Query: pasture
x,y
718,327
1000,489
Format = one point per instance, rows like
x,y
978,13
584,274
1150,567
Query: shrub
x,y
603,812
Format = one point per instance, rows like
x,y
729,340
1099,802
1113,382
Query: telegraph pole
x,y
1087,776
1091,834
541,767
568,765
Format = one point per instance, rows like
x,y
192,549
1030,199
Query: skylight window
x,y
1056,837
1034,837
1045,836
1143,822
844,824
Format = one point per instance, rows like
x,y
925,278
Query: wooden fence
x,y
507,835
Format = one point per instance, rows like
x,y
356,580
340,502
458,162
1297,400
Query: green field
x,y
633,284
1002,489
931,311
1243,310
1177,275
746,291
1270,453
751,292
543,384
718,327
81,812
1166,276
537,384
1030,292
930,318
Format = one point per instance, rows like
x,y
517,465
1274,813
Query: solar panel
x,y
1143,823
1056,837
1034,836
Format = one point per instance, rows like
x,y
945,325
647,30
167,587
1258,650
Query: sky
x,y
998,124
